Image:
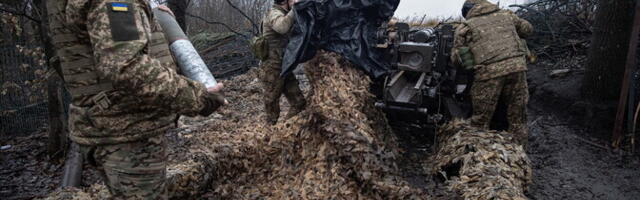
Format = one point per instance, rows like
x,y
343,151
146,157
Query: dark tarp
x,y
347,27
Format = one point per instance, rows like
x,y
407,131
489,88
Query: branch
x,y
256,30
217,23
553,34
20,14
37,9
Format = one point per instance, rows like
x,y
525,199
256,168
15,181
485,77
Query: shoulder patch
x,y
122,22
120,7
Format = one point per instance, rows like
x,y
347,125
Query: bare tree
x,y
238,15
562,28
20,8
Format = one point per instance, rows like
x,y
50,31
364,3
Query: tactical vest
x,y
494,38
159,48
277,41
77,62
158,44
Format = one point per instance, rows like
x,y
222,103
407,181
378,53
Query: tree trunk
x,y
57,137
179,8
607,54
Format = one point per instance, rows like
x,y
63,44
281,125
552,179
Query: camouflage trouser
x,y
274,87
135,170
511,89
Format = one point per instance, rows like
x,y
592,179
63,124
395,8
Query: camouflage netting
x,y
191,177
96,191
480,164
339,148
187,179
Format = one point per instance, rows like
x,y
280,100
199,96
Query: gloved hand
x,y
213,100
466,57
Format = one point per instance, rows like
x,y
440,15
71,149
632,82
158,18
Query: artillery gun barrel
x,y
185,54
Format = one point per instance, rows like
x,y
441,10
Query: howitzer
x,y
423,80
187,58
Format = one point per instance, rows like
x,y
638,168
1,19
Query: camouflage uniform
x,y
494,38
125,90
276,27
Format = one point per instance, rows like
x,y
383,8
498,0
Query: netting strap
x,y
62,38
90,89
68,67
159,48
157,38
165,59
81,77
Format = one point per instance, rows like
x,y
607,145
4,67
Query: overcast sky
x,y
437,8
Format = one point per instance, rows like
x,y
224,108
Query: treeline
x,y
226,15
562,27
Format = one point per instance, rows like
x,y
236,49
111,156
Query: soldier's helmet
x,y
466,7
469,4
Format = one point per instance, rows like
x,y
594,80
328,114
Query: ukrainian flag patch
x,y
120,7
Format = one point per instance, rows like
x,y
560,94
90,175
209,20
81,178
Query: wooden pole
x,y
630,69
57,138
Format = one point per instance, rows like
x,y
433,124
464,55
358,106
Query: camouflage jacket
x,y
494,38
116,37
276,27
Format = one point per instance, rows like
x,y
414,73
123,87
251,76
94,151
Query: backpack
x,y
260,46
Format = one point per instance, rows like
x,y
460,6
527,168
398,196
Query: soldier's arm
x,y
523,26
459,41
120,37
282,23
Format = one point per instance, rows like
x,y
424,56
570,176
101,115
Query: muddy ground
x,y
567,146
568,141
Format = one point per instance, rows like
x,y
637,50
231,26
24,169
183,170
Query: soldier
x,y
489,41
125,90
276,27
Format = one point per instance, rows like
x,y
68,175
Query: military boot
x,y
271,121
299,105
271,118
293,112
272,113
